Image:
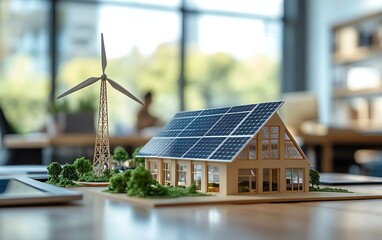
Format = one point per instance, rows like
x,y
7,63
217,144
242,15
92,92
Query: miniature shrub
x,y
106,173
69,172
139,182
139,162
54,171
118,183
83,165
115,171
127,174
65,182
86,177
192,189
314,179
157,189
120,154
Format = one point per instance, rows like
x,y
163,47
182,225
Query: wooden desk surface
x,y
96,217
62,140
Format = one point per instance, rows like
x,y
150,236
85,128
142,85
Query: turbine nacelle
x,y
103,77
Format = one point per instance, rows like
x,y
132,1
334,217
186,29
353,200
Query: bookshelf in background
x,y
357,72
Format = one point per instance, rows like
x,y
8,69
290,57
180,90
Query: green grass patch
x,y
328,189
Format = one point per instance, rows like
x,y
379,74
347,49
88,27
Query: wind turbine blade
x,y
85,83
103,57
123,90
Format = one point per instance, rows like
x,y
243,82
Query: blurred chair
x,y
369,162
5,128
299,108
15,156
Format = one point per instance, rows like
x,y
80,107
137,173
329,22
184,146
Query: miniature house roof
x,y
217,134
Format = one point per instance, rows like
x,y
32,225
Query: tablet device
x,y
26,191
347,179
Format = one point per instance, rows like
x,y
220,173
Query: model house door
x,y
271,180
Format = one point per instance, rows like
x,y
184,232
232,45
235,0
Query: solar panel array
x,y
217,134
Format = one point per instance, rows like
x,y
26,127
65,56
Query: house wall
x,y
160,163
259,164
228,172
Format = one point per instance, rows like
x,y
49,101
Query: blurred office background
x,y
195,54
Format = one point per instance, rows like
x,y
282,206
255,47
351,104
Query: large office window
x,y
231,60
191,54
142,52
24,64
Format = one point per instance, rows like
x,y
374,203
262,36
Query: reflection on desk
x,y
97,217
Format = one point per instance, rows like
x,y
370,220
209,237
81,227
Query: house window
x,y
270,142
213,179
270,180
182,173
153,169
243,154
197,175
247,179
167,173
291,151
252,149
294,179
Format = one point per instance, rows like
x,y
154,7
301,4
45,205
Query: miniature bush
x,y
115,171
120,155
139,182
107,173
127,174
156,189
65,182
118,183
83,166
193,189
54,171
314,179
138,161
69,172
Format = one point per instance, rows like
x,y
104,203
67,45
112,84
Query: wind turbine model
x,y
101,159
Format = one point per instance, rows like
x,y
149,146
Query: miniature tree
x,y
118,183
120,155
127,174
314,179
139,182
83,165
69,172
54,171
137,160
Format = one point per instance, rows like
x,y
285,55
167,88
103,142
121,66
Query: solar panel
x,y
169,133
178,124
178,147
242,108
204,148
257,118
188,114
230,148
154,147
215,111
216,134
200,125
227,124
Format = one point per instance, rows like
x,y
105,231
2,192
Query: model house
x,y
233,150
